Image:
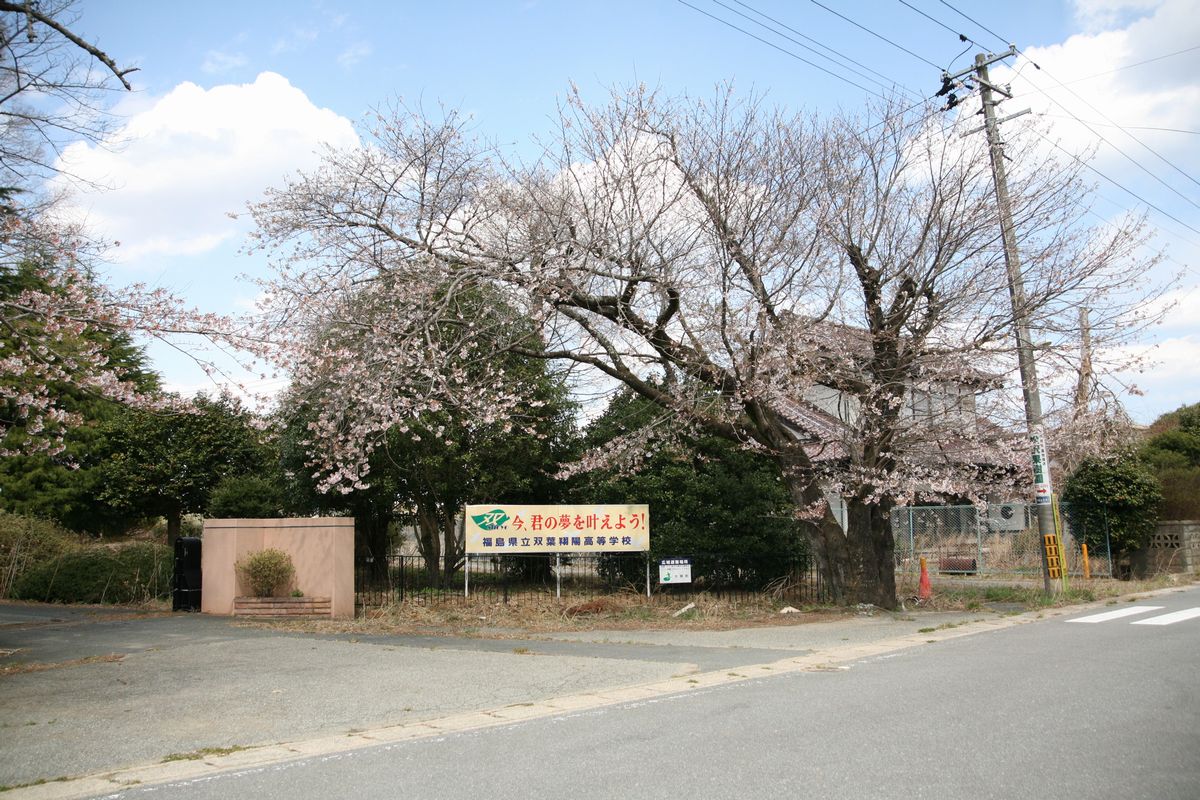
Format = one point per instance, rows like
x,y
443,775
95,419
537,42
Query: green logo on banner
x,y
491,520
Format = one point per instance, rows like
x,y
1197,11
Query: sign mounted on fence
x,y
675,570
502,528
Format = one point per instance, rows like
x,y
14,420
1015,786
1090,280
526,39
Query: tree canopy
x,y
1173,453
434,458
53,83
167,465
708,495
63,485
721,259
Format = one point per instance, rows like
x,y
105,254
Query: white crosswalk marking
x,y
1120,612
1170,619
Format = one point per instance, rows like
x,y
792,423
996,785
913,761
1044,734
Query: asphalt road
x,y
151,686
1109,709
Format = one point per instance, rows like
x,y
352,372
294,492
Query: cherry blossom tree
x,y
812,289
54,329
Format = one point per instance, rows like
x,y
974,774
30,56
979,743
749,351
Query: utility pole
x,y
1042,489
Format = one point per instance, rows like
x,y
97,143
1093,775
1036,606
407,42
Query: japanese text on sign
x,y
675,570
506,528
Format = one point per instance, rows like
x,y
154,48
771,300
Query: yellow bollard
x,y
1087,565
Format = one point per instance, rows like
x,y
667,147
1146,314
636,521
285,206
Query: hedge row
x,y
134,573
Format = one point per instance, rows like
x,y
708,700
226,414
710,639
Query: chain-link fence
x,y
999,539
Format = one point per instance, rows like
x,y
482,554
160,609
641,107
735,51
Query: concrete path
x,y
135,690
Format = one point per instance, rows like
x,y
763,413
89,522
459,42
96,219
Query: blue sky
x,y
232,96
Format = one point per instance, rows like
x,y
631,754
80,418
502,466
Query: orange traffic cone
x,y
924,590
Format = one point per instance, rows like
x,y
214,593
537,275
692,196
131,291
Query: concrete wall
x,y
1175,546
322,551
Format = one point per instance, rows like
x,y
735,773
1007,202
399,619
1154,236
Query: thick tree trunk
x,y
872,553
371,542
827,542
429,542
452,549
174,525
857,565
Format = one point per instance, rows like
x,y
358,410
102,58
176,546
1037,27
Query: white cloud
x,y
194,156
1161,94
1100,14
353,54
217,62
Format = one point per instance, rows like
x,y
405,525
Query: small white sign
x,y
675,570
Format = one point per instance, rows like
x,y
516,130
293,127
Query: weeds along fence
x,y
581,577
998,540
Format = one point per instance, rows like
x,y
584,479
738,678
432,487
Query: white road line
x,y
1170,619
1120,612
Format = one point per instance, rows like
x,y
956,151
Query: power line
x,y
842,56
787,27
1115,125
1131,66
961,36
873,33
974,22
1123,130
1116,183
1093,131
783,50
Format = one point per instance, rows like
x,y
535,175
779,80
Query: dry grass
x,y
970,594
491,619
22,668
486,618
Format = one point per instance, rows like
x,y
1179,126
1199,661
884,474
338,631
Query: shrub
x,y
26,542
246,497
1181,493
133,573
1113,494
266,570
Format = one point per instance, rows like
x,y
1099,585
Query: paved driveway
x,y
127,688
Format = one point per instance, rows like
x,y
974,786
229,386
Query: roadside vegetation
x,y
486,618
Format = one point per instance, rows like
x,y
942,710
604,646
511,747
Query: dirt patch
x,y
20,669
491,619
515,619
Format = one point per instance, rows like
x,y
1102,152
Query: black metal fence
x,y
578,577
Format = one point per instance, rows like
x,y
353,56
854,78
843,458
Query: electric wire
x,y
974,22
1115,182
876,35
1131,66
870,77
1115,125
783,50
1158,155
962,36
1099,135
785,26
